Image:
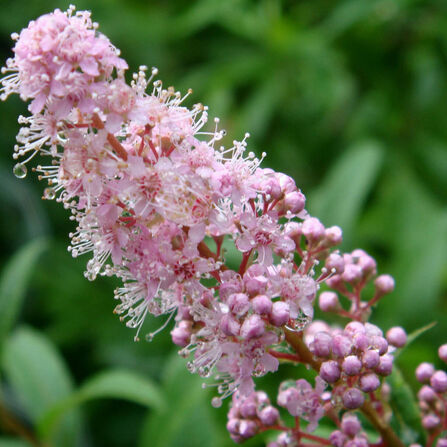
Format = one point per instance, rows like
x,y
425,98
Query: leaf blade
x,y
39,378
339,199
14,280
115,384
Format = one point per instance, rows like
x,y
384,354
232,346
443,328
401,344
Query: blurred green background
x,y
348,97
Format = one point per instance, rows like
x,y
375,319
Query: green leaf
x,y
14,281
261,106
341,196
416,229
13,442
189,419
20,195
406,417
40,379
418,332
113,384
414,335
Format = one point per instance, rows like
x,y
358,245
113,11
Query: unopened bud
x,y
353,398
328,301
424,372
397,337
384,284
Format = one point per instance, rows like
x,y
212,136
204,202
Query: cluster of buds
x,y
353,360
433,398
350,433
353,272
156,200
250,414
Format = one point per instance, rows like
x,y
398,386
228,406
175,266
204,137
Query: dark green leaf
x,y
113,384
40,379
188,421
339,199
405,409
418,332
14,281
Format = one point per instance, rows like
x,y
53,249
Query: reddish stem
x,y
218,241
116,145
244,262
313,438
284,356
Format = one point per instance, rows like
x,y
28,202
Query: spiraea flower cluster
x,y
433,399
157,201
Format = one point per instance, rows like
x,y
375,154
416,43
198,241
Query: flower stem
x,y
119,149
388,436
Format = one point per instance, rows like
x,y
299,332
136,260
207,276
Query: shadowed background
x,y
348,97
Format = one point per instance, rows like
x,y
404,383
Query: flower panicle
x,y
159,201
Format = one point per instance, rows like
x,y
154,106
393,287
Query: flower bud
x,y
321,345
181,334
438,381
287,183
353,398
328,301
238,303
352,365
335,262
294,202
341,346
384,284
262,304
397,337
350,424
361,341
424,372
280,313
247,428
247,408
337,438
371,358
358,441
352,274
369,382
427,394
262,398
442,442
252,327
379,343
354,328
229,325
333,236
385,365
313,229
431,421
287,396
442,352
272,188
268,415
330,371
365,261
233,426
